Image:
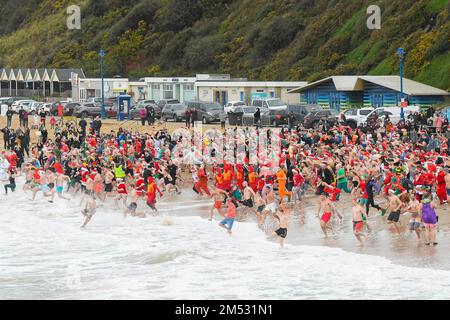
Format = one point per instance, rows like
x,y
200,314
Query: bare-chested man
x,y
90,209
131,209
42,185
89,189
28,177
358,217
415,219
248,196
269,198
260,205
283,216
394,205
218,195
60,178
51,178
109,177
327,208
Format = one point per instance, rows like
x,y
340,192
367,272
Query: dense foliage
x,y
258,39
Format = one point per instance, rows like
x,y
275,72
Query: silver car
x,y
248,117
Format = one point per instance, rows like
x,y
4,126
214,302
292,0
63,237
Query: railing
x,y
28,93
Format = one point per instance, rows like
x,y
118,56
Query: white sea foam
x,y
45,255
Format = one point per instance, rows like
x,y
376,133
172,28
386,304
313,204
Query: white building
x,y
206,87
221,88
92,88
181,88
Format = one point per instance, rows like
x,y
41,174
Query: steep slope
x,y
259,39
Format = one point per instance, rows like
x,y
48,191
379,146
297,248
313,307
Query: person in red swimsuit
x,y
325,206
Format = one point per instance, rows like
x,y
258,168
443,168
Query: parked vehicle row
x,y
357,117
307,115
30,106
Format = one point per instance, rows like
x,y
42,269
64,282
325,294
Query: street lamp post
x,y
102,55
401,55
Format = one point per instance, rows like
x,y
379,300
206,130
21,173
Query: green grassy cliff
x,y
258,39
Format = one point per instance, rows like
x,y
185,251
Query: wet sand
x,y
304,228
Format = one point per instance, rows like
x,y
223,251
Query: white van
x,y
269,103
232,105
394,112
355,117
25,104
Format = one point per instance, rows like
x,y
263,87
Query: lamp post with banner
x,y
102,55
401,55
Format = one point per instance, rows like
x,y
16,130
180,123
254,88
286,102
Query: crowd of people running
x,y
405,165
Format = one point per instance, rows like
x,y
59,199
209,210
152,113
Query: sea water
x,y
45,255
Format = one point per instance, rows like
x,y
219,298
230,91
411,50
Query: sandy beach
x,y
304,226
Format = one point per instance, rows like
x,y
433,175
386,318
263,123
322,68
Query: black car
x,y
70,107
313,119
300,111
206,111
176,112
161,103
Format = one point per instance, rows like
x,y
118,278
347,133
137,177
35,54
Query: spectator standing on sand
x,y
188,118
25,119
83,125
9,115
21,111
222,118
97,125
43,115
152,115
257,117
143,115
193,117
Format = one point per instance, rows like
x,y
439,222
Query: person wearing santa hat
x,y
297,188
441,191
326,207
60,179
122,193
152,188
89,210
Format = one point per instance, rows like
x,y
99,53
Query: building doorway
x,y
221,97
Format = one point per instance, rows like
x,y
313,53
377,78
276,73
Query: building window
x,y
155,87
188,87
259,91
168,91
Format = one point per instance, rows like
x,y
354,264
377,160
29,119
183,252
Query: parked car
x,y
6,101
206,111
161,103
248,116
312,119
355,117
89,109
269,103
142,103
300,111
45,106
70,107
135,112
176,112
232,105
25,104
